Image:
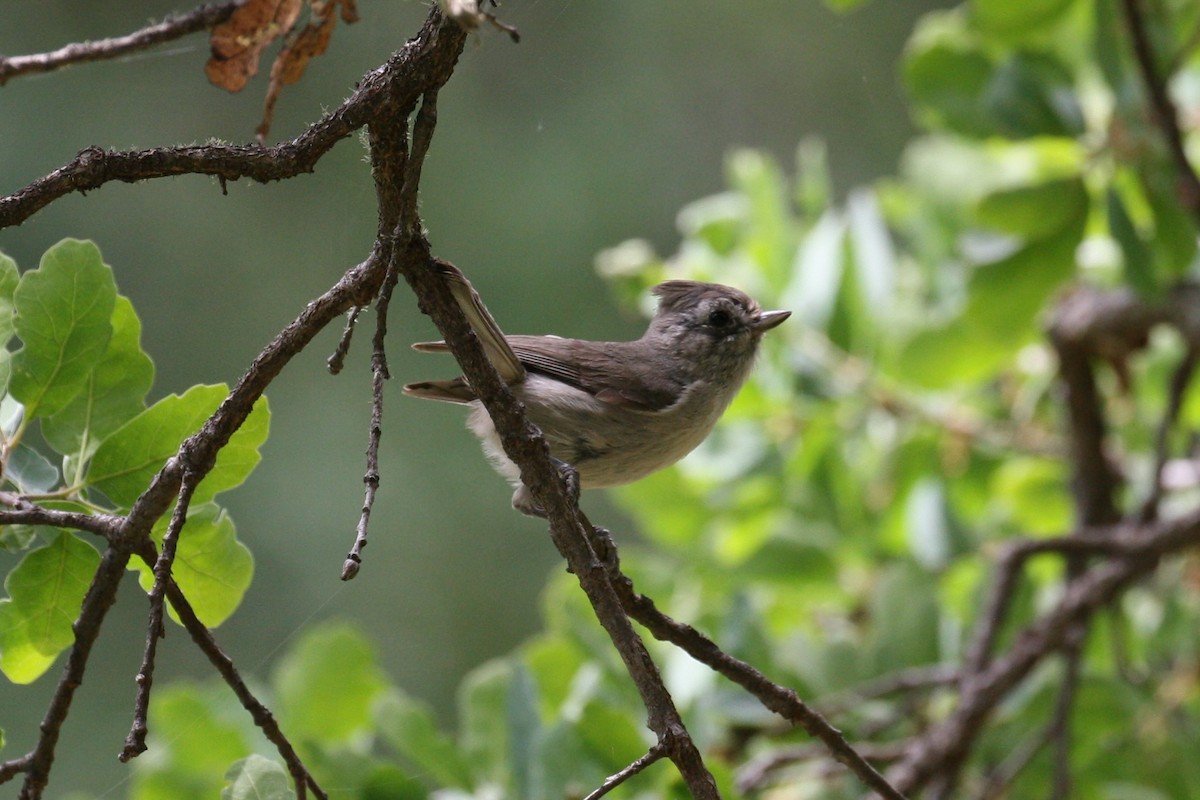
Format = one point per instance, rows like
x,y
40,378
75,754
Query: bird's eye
x,y
720,318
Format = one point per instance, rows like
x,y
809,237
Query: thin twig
x,y
903,681
1175,395
778,699
338,360
756,774
135,741
26,512
1165,115
172,27
101,595
261,715
655,753
998,780
424,61
1059,731
379,374
950,739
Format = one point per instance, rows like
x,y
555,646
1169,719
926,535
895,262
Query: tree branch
x,y
172,27
26,512
655,753
778,699
406,76
101,595
948,741
135,741
1164,113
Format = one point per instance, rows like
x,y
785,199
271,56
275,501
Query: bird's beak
x,y
769,319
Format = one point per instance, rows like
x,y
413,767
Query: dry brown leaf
x,y
238,43
311,41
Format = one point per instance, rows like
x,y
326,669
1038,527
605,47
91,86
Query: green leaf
x,y
256,777
1033,94
817,271
20,661
1009,18
114,393
196,741
718,220
63,316
8,284
951,354
46,590
239,456
927,524
30,471
211,566
483,726
904,620
409,726
947,80
127,460
1035,212
874,254
17,537
1034,492
327,684
1006,295
1136,259
524,730
1174,227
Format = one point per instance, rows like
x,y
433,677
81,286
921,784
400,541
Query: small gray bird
x,y
615,411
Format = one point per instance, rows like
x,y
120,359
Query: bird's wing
x,y
490,336
606,370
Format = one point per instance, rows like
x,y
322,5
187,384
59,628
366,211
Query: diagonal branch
x,y
1165,115
135,742
778,699
101,595
261,715
173,27
947,742
655,753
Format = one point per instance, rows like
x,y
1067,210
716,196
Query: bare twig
x,y
407,75
135,741
406,203
101,594
337,361
379,374
778,699
904,681
949,740
998,780
1165,115
173,27
26,512
655,753
756,775
1175,396
261,715
1058,732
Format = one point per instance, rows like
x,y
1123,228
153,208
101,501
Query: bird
x,y
614,412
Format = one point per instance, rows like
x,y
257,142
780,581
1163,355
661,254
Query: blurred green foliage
x,y
840,524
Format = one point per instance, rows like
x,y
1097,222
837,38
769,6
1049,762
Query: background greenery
x,y
909,405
